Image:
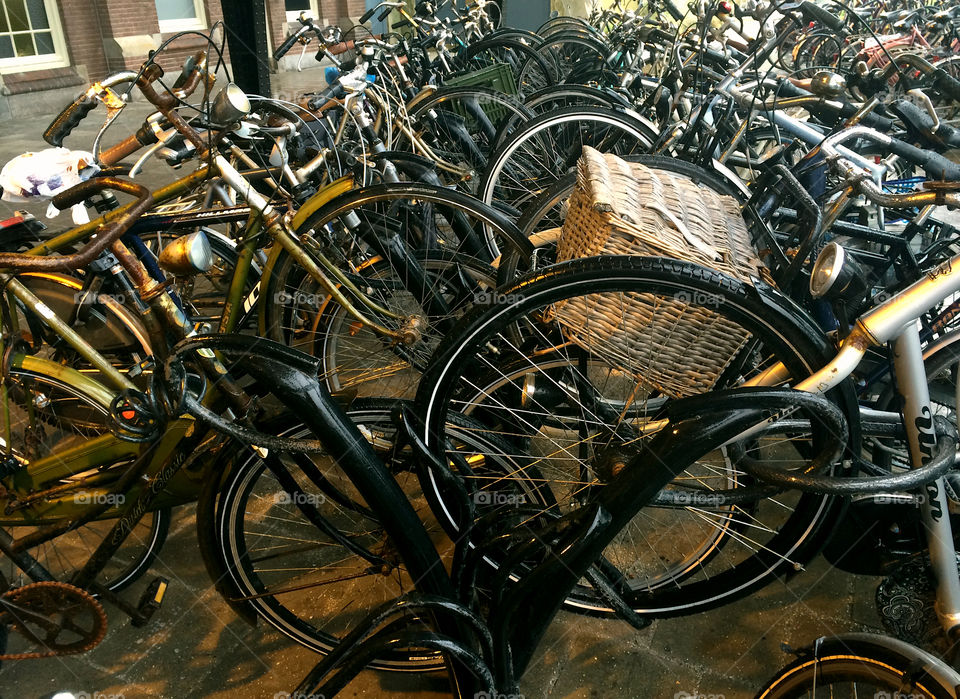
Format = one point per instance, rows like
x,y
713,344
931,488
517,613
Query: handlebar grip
x,y
68,119
672,8
342,47
189,65
118,152
332,92
946,84
401,24
934,164
385,14
717,56
816,13
877,122
365,17
288,43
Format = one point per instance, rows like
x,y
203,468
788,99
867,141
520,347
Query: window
x,y
179,15
295,7
30,36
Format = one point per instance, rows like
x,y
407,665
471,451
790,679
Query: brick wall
x,y
81,28
276,22
87,24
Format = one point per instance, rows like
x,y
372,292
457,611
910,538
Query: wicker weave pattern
x,y
678,345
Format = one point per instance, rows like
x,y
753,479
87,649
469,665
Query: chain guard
x,y
73,620
906,601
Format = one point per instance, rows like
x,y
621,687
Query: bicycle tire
x,y
65,554
311,624
289,321
887,666
486,112
543,150
515,54
798,537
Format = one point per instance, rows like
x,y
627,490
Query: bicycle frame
x,y
895,321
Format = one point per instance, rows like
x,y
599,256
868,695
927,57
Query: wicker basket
x,y
678,345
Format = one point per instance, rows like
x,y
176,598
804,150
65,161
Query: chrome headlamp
x,y
836,275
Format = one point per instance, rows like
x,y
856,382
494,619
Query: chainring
x,y
60,618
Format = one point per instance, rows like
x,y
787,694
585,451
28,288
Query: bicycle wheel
x,y
565,50
548,147
467,122
557,97
107,321
514,54
560,96
300,580
426,274
574,409
555,25
68,418
864,665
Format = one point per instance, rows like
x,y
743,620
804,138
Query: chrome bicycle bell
x,y
826,83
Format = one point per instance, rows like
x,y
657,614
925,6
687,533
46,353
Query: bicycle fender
x,y
90,387
332,190
792,312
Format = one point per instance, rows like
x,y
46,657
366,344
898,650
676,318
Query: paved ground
x,y
196,647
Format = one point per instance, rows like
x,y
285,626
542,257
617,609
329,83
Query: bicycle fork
x,y
918,420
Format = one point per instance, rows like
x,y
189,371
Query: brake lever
x,y
920,98
114,104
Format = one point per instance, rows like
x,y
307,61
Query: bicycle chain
x,y
46,598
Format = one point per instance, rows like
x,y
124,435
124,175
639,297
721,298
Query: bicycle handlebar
x,y
934,164
75,112
105,236
71,116
288,43
816,13
672,8
388,8
946,84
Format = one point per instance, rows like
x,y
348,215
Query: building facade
x,y
50,48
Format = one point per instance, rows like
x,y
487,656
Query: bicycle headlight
x,y
229,106
187,255
836,275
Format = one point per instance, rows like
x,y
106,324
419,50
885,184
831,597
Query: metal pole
x,y
246,27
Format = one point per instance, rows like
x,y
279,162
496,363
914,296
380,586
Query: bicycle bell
x,y
826,83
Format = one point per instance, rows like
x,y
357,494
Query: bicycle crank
x,y
60,618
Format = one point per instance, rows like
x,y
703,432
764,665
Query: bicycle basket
x,y
498,76
677,345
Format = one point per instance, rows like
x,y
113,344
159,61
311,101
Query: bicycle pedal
x,y
150,601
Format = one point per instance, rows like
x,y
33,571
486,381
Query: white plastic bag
x,y
33,177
